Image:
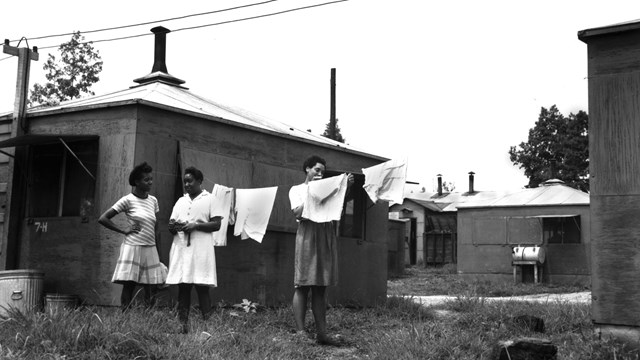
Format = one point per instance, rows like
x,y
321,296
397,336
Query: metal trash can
x,y
58,303
21,289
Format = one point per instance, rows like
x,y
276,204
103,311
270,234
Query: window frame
x,y
67,156
563,219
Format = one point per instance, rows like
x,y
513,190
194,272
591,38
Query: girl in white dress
x,y
192,261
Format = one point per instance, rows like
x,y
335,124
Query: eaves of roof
x,y
180,100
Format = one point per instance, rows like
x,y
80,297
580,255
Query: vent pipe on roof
x,y
159,71
471,173
160,49
439,184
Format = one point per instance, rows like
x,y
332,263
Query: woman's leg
x,y
149,295
204,300
184,305
300,306
319,308
127,294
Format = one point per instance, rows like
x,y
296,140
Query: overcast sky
x,y
449,84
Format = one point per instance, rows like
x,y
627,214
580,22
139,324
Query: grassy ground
x,y
464,328
418,280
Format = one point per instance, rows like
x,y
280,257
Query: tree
x,y
448,186
71,76
332,131
558,147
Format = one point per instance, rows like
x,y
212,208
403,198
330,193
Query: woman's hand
x,y
189,227
133,229
172,227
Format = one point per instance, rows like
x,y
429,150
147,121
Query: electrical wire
x,y
153,22
212,24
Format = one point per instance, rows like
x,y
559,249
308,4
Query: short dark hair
x,y
197,174
311,161
138,173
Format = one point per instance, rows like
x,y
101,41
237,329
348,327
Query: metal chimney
x,y
160,49
159,71
471,173
439,184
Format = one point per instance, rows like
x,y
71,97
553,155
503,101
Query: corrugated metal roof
x,y
553,193
177,98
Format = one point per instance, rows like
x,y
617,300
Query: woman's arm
x,y
297,212
105,220
211,226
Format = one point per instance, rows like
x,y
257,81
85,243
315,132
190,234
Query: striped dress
x,y
138,260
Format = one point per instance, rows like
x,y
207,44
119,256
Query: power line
x,y
213,24
153,22
261,16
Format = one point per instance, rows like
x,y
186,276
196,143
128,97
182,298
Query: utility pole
x,y
332,116
16,187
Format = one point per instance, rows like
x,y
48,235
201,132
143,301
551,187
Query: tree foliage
x,y
71,76
333,132
558,147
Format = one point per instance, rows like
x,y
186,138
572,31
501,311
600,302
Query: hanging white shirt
x,y
325,199
253,210
386,181
222,206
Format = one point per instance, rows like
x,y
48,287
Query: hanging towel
x,y
253,209
222,206
325,199
386,181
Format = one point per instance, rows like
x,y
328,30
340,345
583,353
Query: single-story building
x,y
80,153
553,216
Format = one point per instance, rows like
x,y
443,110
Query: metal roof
x,y
553,192
179,99
583,35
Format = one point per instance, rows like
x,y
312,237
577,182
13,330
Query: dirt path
x,y
581,297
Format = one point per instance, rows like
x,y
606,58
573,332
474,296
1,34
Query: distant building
x,y
553,216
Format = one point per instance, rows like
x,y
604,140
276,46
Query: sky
x,y
449,85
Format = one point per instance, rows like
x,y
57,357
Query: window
x,y
352,221
561,230
59,184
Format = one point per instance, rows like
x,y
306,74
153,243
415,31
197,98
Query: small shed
x,y
614,154
79,155
553,216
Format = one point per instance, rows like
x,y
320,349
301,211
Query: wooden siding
x,y
486,237
614,151
80,257
5,132
241,158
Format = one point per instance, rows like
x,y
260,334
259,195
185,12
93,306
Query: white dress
x,y
194,263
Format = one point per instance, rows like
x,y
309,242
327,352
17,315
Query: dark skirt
x,y
316,260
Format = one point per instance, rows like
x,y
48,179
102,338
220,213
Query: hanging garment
x,y
325,199
386,181
223,206
253,209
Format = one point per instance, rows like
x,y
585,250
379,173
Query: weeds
x,y
396,328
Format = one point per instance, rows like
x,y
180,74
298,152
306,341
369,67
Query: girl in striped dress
x,y
138,263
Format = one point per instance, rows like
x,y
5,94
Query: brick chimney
x,y
159,71
439,184
471,173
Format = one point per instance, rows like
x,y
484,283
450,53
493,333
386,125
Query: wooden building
x,y
80,154
553,216
614,158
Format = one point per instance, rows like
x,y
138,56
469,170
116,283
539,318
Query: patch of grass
x,y
420,281
394,329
